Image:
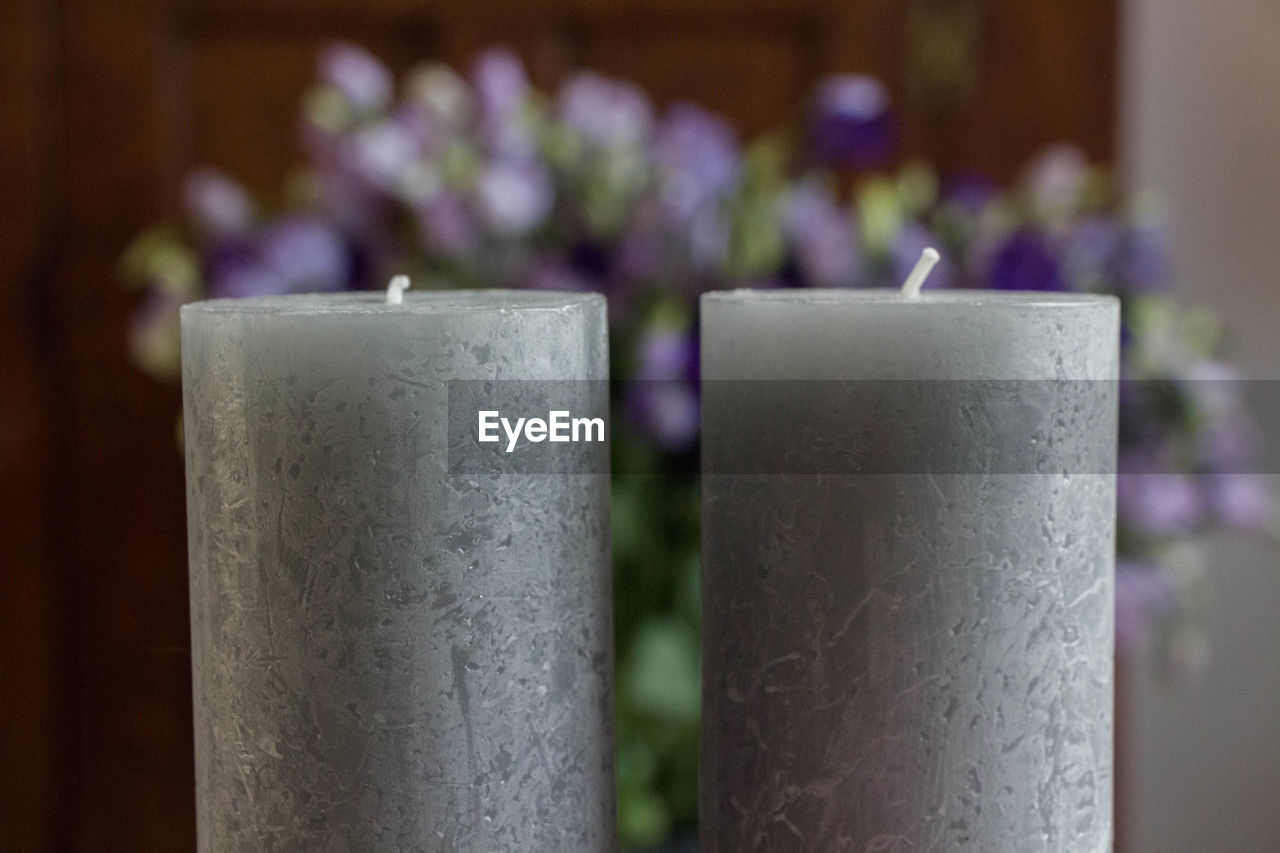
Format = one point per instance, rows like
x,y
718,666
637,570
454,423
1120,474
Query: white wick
x,y
911,287
395,290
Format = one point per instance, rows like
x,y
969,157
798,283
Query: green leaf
x,y
158,258
880,210
643,819
663,678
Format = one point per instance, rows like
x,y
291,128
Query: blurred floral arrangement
x,y
484,181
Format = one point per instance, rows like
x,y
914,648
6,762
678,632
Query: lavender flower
x,y
1215,387
442,95
514,196
489,182
384,154
503,93
233,269
552,275
364,81
306,254
1228,439
663,401
641,249
697,157
240,280
447,226
821,236
351,205
1055,182
1158,504
1145,257
1024,262
216,204
968,191
500,83
666,354
850,123
708,240
1228,443
606,113
669,415
289,256
1143,596
1090,254
1240,501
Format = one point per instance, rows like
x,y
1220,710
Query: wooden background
x,y
103,106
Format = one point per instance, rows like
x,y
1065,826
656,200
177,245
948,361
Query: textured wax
x,y
908,555
388,654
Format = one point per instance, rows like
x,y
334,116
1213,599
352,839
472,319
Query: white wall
x,y
1201,121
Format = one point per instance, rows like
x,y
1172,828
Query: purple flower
x,y
697,156
1228,442
503,94
606,113
447,226
306,255
551,275
669,413
1242,501
384,154
666,354
1089,256
1055,181
1143,595
514,196
969,191
1024,262
1158,504
1145,257
641,249
289,256
663,399
500,83
357,74
850,123
233,268
708,239
441,95
822,237
251,279
364,218
1216,386
216,204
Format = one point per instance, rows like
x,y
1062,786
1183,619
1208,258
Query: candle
x,y
908,516
390,654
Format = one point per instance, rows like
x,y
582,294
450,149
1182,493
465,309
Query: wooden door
x,y
105,104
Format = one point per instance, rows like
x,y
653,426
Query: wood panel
x,y
30,680
1047,75
107,102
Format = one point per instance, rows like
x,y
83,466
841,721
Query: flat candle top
x,y
886,296
429,302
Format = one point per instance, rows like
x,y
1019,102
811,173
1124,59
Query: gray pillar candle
x,y
387,655
907,571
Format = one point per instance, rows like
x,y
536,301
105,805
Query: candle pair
x,y
394,651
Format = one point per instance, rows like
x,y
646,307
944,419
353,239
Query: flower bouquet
x,y
485,181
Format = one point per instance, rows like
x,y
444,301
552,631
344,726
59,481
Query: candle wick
x,y
911,287
395,290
